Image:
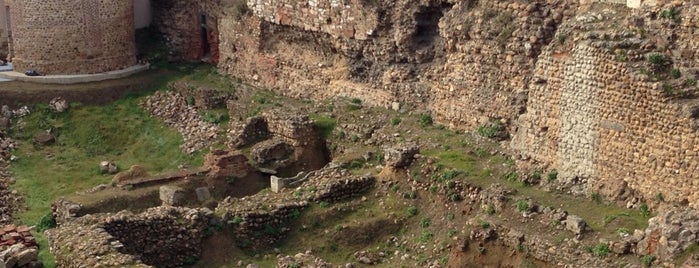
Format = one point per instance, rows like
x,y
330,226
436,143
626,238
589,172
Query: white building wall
x,y
142,13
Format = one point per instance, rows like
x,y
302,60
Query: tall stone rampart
x,y
72,37
601,111
439,55
577,72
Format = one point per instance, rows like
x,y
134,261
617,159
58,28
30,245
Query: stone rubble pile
x,y
173,109
202,97
306,259
668,234
160,236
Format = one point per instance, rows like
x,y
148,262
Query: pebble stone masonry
x,y
72,36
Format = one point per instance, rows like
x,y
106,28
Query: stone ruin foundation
x,y
159,237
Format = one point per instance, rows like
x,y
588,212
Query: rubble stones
x,y
135,172
274,151
58,105
670,233
401,156
109,167
302,260
44,139
172,108
575,224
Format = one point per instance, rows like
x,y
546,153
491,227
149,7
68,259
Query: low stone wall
x,y
260,220
337,185
161,236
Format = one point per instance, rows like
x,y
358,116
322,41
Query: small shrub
x,y
645,211
451,233
536,176
425,222
691,82
324,204
412,211
670,14
356,101
596,197
395,188
46,222
426,120
449,174
450,216
511,176
338,227
601,250
647,260
455,197
434,188
552,176
490,210
668,88
676,73
522,206
230,179
561,38
295,214
236,220
410,195
660,197
354,138
426,236
485,224
657,59
490,130
395,121
623,231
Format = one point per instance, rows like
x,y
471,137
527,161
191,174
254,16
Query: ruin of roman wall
x,y
595,115
426,54
73,37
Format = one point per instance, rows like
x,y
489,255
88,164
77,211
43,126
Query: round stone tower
x,y
72,36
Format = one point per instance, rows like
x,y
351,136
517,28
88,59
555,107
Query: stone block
x,y
276,183
172,195
203,194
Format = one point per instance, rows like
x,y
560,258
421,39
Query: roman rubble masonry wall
x,y
577,73
465,61
596,112
72,37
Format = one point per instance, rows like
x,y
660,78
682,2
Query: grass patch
x,y
121,131
325,124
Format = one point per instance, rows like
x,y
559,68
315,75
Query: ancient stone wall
x,y
4,30
339,18
600,111
436,55
184,24
73,37
161,236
